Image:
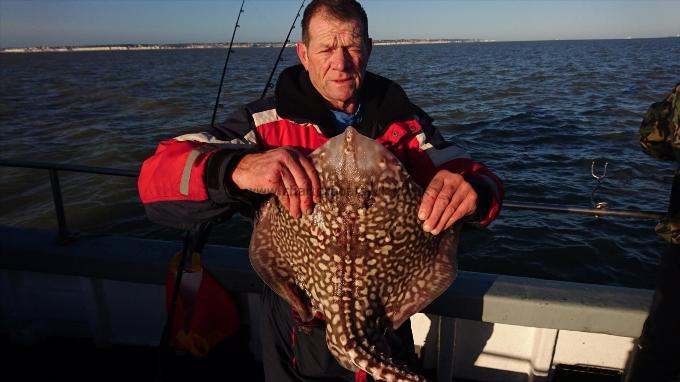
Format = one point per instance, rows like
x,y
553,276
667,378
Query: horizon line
x,y
279,43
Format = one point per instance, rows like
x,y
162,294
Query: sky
x,y
25,23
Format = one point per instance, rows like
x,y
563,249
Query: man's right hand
x,y
283,171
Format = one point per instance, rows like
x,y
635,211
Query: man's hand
x,y
447,199
282,171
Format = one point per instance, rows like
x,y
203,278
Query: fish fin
x,y
279,279
439,277
275,270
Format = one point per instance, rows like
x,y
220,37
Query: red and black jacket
x,y
186,182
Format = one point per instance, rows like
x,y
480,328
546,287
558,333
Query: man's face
x,y
336,58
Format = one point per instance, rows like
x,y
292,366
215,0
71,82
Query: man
x,y
658,356
261,150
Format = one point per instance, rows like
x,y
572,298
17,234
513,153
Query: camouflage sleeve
x,y
660,138
660,128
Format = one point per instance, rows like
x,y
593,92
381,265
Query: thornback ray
x,y
361,258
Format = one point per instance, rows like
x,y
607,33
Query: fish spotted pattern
x,y
361,258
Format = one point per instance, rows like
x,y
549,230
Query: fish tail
x,y
355,352
380,366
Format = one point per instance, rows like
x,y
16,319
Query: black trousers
x,y
293,355
658,356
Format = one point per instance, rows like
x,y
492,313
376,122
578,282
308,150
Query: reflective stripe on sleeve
x,y
188,165
203,137
440,156
186,174
265,117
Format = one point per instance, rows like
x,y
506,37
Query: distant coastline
x,y
224,45
217,45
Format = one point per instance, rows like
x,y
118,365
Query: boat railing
x,y
63,235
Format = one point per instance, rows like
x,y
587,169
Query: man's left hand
x,y
447,199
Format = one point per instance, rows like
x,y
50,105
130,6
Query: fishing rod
x,y
194,241
224,70
278,59
646,215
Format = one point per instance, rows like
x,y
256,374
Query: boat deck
x,y
76,360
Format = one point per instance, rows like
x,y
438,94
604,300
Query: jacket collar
x,y
383,102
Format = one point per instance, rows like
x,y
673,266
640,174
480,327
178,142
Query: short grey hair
x,y
345,10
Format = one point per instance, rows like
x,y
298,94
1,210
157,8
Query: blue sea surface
x,y
536,113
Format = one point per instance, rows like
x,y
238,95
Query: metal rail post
x,y
64,236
